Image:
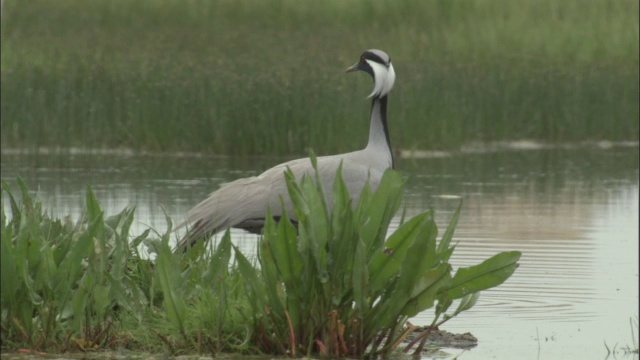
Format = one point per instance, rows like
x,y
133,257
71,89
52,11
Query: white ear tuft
x,y
383,78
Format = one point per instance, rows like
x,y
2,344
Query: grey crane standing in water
x,y
243,203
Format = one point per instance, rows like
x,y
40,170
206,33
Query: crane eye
x,y
362,58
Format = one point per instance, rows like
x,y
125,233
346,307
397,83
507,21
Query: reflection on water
x,y
572,212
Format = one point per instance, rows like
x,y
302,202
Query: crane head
x,y
377,64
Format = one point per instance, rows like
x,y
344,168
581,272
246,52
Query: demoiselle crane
x,y
243,203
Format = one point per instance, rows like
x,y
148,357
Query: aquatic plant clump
x,y
64,285
339,286
336,285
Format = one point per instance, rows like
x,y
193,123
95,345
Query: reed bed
x,y
246,78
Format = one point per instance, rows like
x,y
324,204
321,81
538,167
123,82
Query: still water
x,y
573,212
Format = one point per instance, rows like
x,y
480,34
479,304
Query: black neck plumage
x,y
383,118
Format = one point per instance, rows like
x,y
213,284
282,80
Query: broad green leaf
x,y
343,240
290,264
101,299
421,253
426,288
168,275
491,272
413,267
124,292
446,254
383,205
27,202
48,268
403,216
8,265
70,267
444,250
270,274
360,278
252,283
79,301
285,252
16,214
443,305
140,238
467,303
341,204
385,263
119,255
21,250
220,258
317,227
93,207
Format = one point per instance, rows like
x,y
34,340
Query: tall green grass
x,y
243,77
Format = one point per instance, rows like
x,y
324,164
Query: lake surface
x,y
572,211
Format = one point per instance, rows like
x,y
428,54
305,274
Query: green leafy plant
x,y
62,282
337,287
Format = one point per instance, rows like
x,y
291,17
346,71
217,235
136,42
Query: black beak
x,y
354,67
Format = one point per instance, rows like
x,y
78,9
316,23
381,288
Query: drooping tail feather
x,y
235,204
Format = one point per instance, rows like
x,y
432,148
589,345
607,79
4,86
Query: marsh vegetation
x,y
336,286
239,77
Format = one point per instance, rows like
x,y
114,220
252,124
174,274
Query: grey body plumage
x,y
243,203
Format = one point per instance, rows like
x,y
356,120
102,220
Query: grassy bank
x,y
335,286
243,77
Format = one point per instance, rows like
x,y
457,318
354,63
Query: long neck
x,y
379,133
